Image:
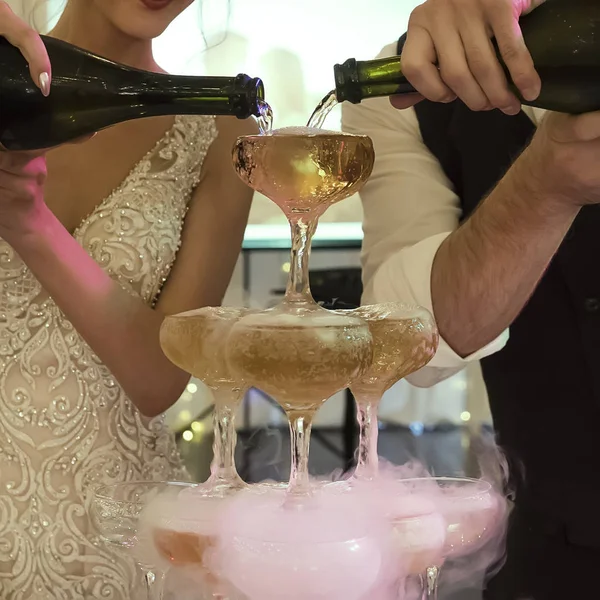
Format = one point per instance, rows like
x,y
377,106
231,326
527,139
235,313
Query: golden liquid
x,y
404,341
323,109
195,341
265,119
188,549
182,547
304,170
299,362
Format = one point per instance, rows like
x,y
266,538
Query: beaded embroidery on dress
x,y
66,425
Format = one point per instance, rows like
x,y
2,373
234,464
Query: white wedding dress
x,y
66,426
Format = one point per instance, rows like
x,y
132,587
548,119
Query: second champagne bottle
x,y
561,36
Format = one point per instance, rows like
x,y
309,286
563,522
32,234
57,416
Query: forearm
x,y
485,272
118,326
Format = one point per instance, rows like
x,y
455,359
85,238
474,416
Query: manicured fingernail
x,y
45,83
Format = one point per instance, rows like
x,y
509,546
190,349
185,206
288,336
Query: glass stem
x,y
298,287
431,579
300,427
367,406
222,467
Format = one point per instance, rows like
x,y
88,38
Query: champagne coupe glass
x,y
298,352
405,338
115,512
413,515
182,527
336,549
474,514
195,342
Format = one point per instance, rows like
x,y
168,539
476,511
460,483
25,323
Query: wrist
x,y
530,191
33,232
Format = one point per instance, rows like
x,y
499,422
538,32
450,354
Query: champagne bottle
x,y
90,93
561,36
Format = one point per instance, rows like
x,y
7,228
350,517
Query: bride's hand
x,y
22,206
27,40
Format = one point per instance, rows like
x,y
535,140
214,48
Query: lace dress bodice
x,y
66,425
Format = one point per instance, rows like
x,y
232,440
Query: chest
x,y
124,200
81,176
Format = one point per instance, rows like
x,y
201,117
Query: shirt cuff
x,y
406,277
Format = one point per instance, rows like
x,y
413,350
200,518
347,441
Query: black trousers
x,y
543,565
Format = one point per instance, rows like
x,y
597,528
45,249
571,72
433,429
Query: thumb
x,y
405,100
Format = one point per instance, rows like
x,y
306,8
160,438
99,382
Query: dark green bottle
x,y
90,93
563,37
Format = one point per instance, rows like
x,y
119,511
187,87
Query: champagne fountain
x,y
367,538
298,352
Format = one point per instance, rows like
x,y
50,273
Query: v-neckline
x,y
135,170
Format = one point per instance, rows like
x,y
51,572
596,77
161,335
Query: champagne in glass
x,y
298,351
304,170
301,358
195,342
117,510
180,528
405,339
474,514
336,549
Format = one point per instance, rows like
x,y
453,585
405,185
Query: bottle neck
x,y
239,96
358,80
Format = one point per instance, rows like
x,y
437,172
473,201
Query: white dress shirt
x,y
410,207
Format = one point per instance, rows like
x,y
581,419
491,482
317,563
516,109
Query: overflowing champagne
x,y
314,169
301,360
311,540
297,351
195,341
405,339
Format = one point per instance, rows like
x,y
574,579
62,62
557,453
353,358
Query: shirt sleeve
x,y
410,207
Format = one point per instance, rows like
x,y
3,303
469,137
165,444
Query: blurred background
x,y
292,45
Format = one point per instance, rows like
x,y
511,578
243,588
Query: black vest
x,y
544,386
